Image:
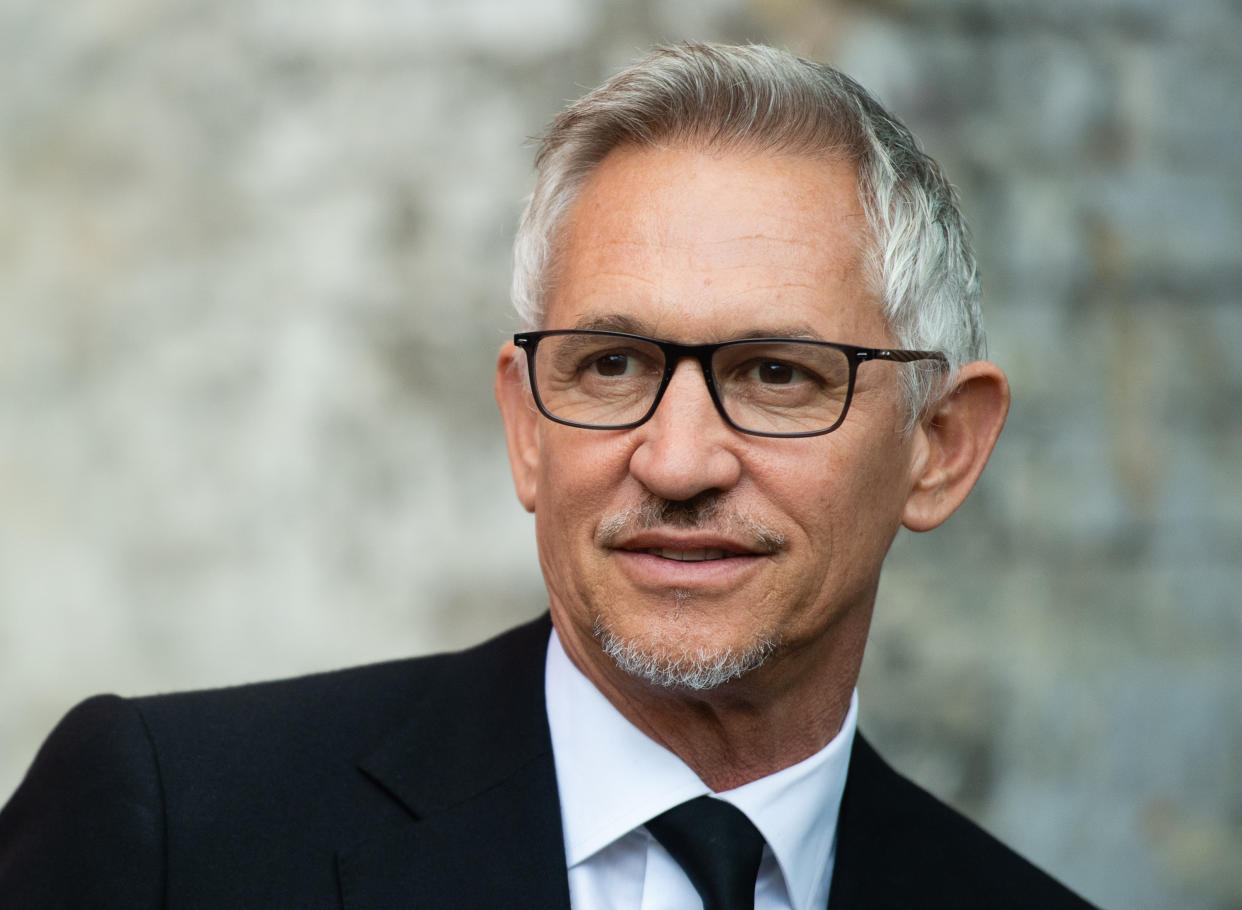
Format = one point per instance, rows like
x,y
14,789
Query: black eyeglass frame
x,y
674,353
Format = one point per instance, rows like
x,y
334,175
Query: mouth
x,y
694,547
714,567
703,554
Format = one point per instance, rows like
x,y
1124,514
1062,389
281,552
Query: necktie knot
x,y
717,846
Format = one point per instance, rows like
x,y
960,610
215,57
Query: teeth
x,y
689,555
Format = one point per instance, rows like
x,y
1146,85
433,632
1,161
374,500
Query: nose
x,y
686,448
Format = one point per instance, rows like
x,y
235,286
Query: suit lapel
x,y
897,846
863,872
474,770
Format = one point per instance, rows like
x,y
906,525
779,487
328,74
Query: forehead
x,y
698,246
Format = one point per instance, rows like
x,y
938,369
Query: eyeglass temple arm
x,y
898,356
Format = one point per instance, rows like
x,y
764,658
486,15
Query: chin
x,y
678,662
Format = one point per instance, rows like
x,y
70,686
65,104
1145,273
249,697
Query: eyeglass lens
x,y
764,386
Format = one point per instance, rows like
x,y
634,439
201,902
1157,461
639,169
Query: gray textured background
x,y
253,273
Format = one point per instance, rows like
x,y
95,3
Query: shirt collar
x,y
612,778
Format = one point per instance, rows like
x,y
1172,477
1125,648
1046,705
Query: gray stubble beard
x,y
698,670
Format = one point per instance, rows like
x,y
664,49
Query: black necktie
x,y
717,846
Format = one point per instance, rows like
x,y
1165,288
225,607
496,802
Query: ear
x,y
517,409
956,438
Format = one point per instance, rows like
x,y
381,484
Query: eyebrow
x,y
618,322
610,322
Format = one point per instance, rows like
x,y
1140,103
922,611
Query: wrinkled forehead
x,y
675,171
719,243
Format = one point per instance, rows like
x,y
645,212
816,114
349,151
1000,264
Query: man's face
x,y
693,247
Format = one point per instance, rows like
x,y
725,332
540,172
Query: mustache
x,y
705,512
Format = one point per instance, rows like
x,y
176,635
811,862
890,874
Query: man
x,y
751,355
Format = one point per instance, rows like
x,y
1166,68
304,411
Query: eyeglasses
x,y
761,386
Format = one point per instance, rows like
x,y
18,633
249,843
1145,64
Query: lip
x,y
688,561
687,542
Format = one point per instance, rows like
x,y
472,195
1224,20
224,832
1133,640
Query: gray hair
x,y
759,98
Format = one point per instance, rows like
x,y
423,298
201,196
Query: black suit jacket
x,y
420,783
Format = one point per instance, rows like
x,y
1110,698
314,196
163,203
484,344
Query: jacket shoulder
x,y
148,799
91,803
338,712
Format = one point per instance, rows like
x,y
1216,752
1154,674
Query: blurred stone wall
x,y
253,275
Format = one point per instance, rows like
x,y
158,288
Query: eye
x,y
776,372
611,364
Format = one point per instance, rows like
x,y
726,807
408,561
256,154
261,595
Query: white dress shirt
x,y
612,778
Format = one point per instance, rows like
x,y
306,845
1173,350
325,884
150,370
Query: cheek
x,y
849,503
580,472
876,503
581,479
